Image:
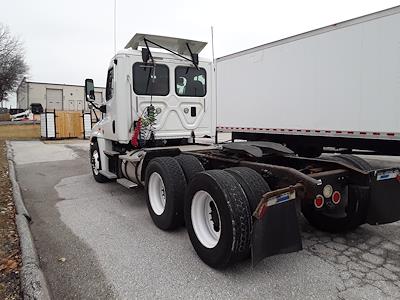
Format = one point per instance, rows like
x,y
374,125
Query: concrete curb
x,y
33,282
19,203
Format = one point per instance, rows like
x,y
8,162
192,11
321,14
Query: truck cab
x,y
167,92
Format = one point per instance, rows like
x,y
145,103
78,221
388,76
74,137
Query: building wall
x,y
22,95
72,95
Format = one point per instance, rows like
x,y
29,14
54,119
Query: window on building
x,y
109,84
190,82
150,80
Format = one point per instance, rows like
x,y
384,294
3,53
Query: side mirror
x,y
89,90
145,55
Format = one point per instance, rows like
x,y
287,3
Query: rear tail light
x,y
336,197
327,191
319,201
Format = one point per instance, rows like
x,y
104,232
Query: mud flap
x,y
384,206
276,233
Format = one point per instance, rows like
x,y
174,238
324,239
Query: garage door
x,y
54,99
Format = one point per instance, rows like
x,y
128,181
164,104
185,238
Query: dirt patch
x,y
10,256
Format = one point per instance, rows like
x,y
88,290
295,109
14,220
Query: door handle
x,y
204,104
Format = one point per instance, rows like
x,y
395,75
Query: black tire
x,y
174,182
234,215
356,210
254,186
252,183
94,147
190,165
353,160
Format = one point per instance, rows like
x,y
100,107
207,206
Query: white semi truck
x,y
241,198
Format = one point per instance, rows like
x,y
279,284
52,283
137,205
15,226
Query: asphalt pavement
x,y
97,241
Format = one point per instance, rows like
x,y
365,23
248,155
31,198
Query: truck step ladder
x,y
127,183
108,174
111,153
131,158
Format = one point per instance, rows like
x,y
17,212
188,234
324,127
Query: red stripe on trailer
x,y
316,131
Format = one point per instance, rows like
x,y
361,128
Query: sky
x,y
66,41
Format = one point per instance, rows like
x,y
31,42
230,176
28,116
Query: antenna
x,y
214,94
115,26
212,43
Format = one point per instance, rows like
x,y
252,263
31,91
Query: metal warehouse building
x,y
54,96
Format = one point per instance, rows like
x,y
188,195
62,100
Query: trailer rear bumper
x,y
384,196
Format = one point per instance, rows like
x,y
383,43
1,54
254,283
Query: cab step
x,y
130,158
108,174
111,153
127,183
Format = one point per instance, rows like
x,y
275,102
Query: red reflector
x,y
336,197
319,201
261,212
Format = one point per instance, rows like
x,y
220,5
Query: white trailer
x,y
236,199
335,86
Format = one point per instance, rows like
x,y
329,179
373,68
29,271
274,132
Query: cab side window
x,y
109,84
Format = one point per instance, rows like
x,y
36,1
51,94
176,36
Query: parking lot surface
x,y
97,241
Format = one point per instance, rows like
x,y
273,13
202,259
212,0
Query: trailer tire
x,y
218,218
95,163
356,211
164,193
190,165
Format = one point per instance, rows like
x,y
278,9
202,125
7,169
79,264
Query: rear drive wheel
x,y
164,182
355,211
190,165
353,160
217,217
254,187
95,163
